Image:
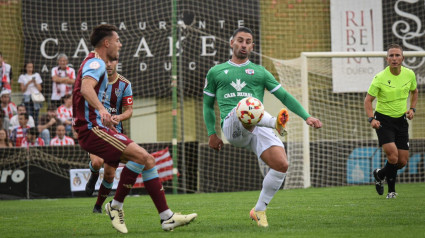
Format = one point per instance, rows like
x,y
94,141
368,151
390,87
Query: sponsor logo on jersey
x,y
111,110
249,71
238,94
238,85
226,71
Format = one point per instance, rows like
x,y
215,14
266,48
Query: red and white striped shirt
x,y
10,110
18,134
64,113
60,89
66,140
37,142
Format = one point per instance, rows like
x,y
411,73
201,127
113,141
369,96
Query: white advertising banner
x,y
80,177
355,26
163,162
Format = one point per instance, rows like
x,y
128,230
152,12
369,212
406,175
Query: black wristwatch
x,y
414,109
370,119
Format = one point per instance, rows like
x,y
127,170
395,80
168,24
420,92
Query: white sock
x,y
165,215
271,185
116,205
267,121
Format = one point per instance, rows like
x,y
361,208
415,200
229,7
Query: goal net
x,y
336,155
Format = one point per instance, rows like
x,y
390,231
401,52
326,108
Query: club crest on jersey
x,y
249,71
118,136
118,92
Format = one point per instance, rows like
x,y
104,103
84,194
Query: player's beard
x,y
242,56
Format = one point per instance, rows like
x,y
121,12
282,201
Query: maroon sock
x,y
127,180
102,195
156,191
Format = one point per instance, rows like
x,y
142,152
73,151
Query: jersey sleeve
x,y
210,84
414,84
38,78
271,83
374,87
127,96
94,68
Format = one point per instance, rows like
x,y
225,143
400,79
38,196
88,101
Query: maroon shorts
x,y
107,144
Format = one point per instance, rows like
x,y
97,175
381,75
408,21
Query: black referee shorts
x,y
393,130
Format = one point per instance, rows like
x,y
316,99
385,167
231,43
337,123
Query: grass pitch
x,y
355,211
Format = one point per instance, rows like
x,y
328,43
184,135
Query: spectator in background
x,y
64,113
14,122
4,139
30,83
61,138
20,132
5,74
63,77
32,138
48,123
7,105
4,121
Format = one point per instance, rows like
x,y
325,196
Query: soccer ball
x,y
250,111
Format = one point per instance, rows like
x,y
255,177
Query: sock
x,y
93,170
104,190
391,176
382,173
154,187
271,185
165,215
127,179
267,121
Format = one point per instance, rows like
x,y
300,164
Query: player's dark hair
x,y
394,46
242,29
100,32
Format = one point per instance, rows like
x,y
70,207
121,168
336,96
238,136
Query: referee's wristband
x,y
414,109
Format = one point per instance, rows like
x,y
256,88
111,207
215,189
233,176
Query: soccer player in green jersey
x,y
234,80
391,87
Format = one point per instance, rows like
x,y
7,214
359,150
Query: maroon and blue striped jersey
x,y
118,94
84,115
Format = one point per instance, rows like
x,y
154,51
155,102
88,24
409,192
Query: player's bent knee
x,y
137,154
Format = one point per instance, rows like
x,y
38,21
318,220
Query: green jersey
x,y
230,82
392,91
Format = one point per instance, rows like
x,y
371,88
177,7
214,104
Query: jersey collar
x,y
116,78
239,65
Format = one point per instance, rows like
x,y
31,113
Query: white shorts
x,y
259,140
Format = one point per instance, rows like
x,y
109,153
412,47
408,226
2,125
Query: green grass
x,y
315,212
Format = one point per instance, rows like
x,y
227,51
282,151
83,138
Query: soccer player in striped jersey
x,y
120,96
234,80
97,134
61,138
